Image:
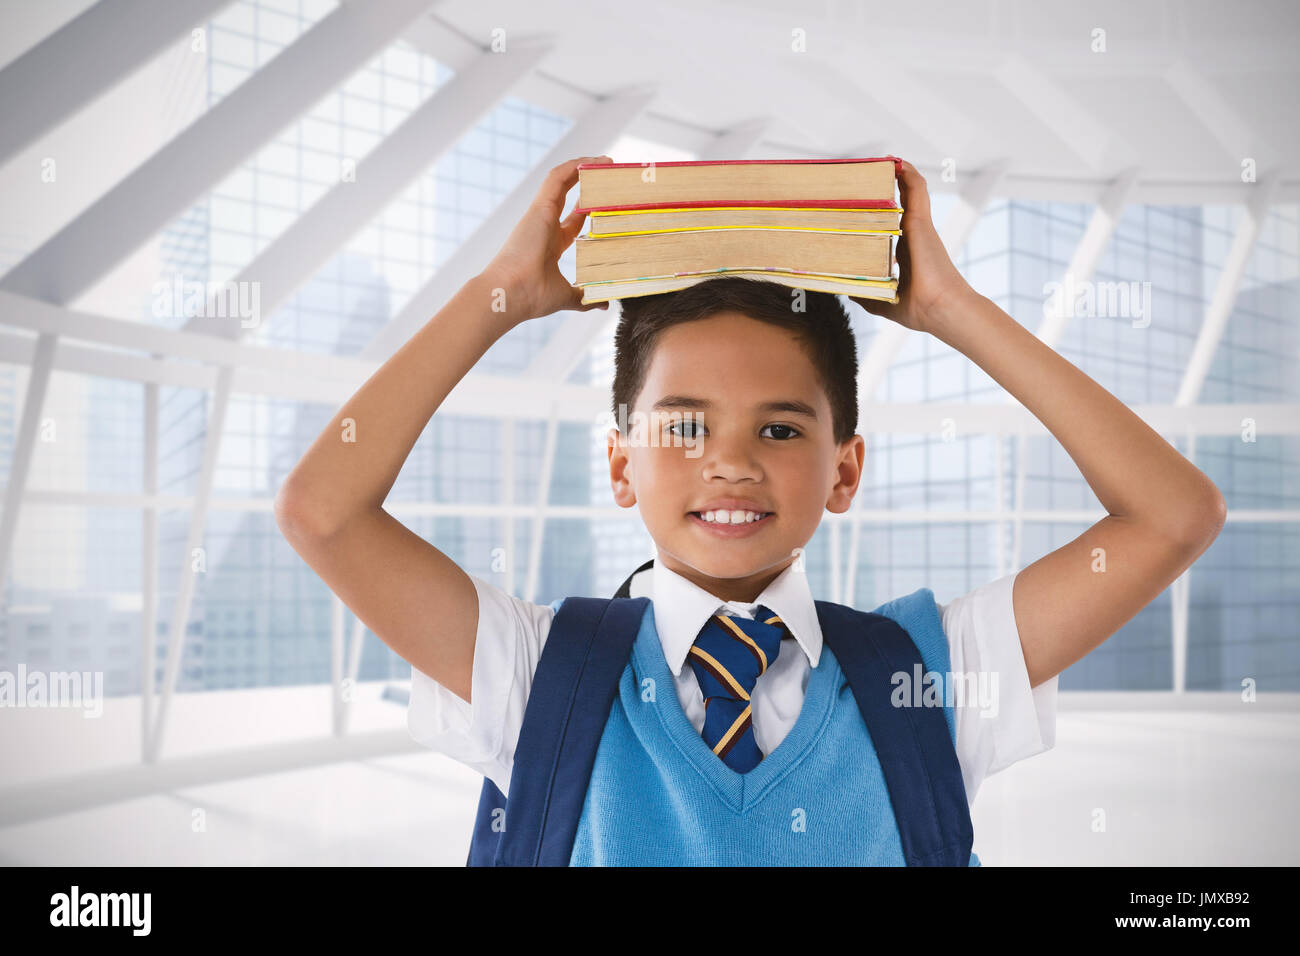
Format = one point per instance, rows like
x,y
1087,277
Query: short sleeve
x,y
1009,720
483,733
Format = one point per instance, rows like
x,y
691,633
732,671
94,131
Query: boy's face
x,y
709,443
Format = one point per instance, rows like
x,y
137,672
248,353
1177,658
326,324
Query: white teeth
x,y
723,516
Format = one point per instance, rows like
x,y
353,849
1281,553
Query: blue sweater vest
x,y
609,770
658,796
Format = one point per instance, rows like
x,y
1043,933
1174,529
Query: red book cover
x,y
736,162
794,203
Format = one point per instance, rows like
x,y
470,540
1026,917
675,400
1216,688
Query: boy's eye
x,y
785,433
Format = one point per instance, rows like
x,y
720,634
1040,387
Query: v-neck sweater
x,y
659,796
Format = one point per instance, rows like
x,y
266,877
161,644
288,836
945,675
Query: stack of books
x,y
826,225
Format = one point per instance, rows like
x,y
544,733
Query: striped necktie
x,y
728,657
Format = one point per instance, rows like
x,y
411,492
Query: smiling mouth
x,y
727,518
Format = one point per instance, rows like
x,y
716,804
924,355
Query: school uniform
x,y
657,795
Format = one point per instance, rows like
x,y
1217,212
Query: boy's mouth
x,y
730,523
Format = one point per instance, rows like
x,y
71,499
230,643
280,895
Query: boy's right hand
x,y
929,286
527,268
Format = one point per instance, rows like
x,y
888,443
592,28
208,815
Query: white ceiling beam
x,y
997,418
172,179
444,42
538,530
354,667
476,395
433,509
1225,293
1180,605
438,39
593,132
973,198
39,370
107,43
1083,263
336,663
1196,194
186,573
22,312
383,174
499,396
565,347
891,87
17,349
1147,192
977,190
148,569
508,499
1223,121
1088,251
1060,112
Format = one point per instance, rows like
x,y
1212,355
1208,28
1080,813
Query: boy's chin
x,y
730,559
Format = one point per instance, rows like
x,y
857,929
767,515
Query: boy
x,y
756,408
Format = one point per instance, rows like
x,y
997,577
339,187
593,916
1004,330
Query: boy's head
x,y
736,395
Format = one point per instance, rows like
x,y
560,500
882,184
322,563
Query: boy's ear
x,y
615,445
848,468
620,469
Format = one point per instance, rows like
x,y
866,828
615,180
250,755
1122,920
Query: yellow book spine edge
x,y
656,232
829,276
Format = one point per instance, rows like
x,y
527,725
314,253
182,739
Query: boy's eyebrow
x,y
779,405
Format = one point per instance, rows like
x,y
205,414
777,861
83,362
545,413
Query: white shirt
x,y
980,626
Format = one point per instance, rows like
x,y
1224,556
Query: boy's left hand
x,y
527,265
928,283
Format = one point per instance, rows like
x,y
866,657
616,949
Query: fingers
x,y
571,226
576,304
912,186
903,255
885,310
560,180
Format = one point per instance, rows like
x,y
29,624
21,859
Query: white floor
x,y
1175,789
1121,787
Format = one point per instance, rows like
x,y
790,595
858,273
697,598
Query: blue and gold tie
x,y
728,657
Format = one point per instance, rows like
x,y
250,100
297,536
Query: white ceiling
x,y
1183,91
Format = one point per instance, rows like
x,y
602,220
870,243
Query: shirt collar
x,y
682,608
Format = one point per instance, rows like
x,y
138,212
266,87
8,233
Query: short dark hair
x,y
822,328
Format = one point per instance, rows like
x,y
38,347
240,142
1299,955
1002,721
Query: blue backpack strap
x,y
914,744
485,842
587,648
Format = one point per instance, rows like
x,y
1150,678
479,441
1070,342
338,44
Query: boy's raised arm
x,y
330,507
1163,511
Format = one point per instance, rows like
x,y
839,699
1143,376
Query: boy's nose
x,y
733,462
